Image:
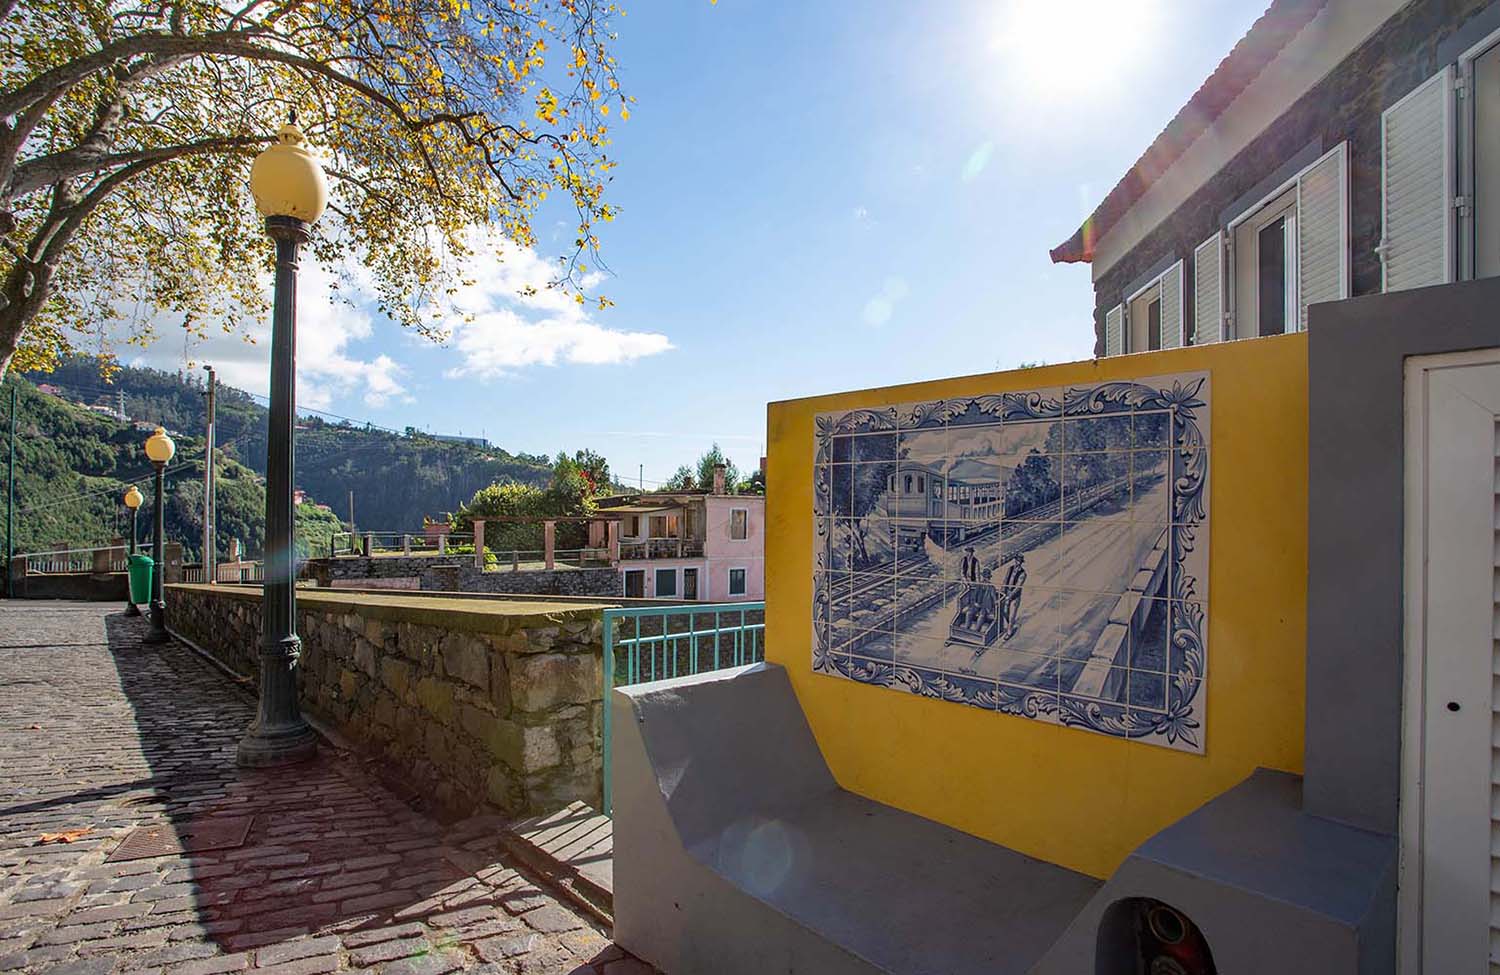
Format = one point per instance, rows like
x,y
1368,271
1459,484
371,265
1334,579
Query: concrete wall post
x,y
479,544
172,556
549,542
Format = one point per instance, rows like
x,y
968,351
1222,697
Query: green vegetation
x,y
397,479
576,481
701,475
73,466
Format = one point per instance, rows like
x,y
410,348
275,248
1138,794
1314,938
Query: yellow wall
x,y
1066,795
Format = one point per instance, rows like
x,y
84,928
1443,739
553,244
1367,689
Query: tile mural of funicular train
x,y
1042,553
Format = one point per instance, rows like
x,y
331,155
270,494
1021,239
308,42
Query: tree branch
x,y
39,173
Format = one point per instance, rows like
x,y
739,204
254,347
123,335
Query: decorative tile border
x,y
1040,553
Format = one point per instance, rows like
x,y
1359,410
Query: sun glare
x,y
1062,49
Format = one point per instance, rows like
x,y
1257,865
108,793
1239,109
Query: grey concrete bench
x,y
736,853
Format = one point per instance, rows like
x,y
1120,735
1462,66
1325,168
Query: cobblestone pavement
x,y
101,733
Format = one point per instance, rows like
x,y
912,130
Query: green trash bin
x,y
140,578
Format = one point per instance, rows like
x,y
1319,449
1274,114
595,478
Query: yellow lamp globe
x,y
133,498
159,447
287,181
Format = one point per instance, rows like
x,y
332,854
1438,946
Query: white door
x,y
1451,749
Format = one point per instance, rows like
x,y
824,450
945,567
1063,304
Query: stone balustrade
x,y
475,701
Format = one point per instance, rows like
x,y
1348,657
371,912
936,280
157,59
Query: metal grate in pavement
x,y
171,839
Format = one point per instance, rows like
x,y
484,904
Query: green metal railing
x,y
657,643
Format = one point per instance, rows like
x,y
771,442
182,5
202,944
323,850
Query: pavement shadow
x,y
318,860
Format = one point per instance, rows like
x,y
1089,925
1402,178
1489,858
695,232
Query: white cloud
x,y
498,330
495,331
880,308
326,367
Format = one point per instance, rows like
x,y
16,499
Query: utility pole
x,y
209,575
351,520
10,498
641,475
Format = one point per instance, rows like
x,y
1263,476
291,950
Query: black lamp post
x,y
159,449
290,191
133,501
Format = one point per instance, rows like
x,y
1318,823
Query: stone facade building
x,y
1342,148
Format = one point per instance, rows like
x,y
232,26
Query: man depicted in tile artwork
x,y
968,570
1010,609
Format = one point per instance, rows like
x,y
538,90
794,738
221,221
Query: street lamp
x,y
159,450
290,192
133,499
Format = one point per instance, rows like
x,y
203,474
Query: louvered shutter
x,y
1416,144
1208,292
1114,328
1171,307
1322,238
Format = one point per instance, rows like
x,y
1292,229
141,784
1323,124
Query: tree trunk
x,y
25,290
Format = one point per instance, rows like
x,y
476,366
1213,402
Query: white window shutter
x,y
1114,330
1171,307
1416,200
1208,292
1322,235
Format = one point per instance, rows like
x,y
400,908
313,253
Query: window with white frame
x,y
736,582
1289,250
1145,320
633,527
690,583
635,583
666,584
739,523
1481,222
1150,317
1440,175
1265,269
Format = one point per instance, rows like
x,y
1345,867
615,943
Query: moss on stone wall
x,y
477,702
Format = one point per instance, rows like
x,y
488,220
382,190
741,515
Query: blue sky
x,y
816,196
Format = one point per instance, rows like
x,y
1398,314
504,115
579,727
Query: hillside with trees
x,y
73,462
73,466
397,478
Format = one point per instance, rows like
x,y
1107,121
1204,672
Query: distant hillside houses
x,y
449,437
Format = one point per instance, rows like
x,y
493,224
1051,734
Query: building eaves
x,y
1266,38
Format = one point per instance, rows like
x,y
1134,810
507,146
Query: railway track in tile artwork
x,y
858,605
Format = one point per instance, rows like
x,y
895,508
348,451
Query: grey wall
x,y
1356,352
95,587
457,574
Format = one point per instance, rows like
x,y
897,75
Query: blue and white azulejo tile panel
x,y
1042,553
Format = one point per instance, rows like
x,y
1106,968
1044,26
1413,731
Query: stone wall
x,y
1345,106
606,581
475,702
457,574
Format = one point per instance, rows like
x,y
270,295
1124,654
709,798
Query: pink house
x,y
695,545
